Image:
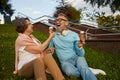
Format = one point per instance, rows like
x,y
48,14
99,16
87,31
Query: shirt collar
x,y
64,33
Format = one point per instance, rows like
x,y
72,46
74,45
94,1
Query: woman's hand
x,y
49,50
14,72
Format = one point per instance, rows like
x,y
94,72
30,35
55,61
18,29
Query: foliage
x,y
6,8
114,4
108,21
71,12
117,19
95,58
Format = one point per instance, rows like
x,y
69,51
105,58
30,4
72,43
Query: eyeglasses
x,y
60,19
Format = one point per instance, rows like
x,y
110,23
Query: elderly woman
x,y
32,57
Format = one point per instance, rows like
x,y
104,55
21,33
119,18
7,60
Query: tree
x,y
0,21
108,21
71,12
114,4
117,18
6,10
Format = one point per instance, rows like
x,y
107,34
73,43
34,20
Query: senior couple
x,y
33,57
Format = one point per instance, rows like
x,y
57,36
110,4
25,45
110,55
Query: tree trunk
x,y
7,19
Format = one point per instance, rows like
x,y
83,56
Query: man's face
x,y
61,23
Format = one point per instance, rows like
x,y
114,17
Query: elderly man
x,y
70,51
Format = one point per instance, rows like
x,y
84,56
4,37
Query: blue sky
x,y
34,8
37,8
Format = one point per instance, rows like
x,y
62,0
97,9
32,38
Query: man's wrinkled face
x,y
61,23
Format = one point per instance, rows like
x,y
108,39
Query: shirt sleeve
x,y
76,37
79,51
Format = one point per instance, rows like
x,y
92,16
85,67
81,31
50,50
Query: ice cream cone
x,y
50,29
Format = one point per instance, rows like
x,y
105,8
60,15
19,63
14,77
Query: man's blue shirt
x,y
66,46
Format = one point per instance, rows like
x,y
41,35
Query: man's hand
x,y
80,44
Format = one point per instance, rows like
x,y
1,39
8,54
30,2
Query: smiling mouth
x,y
58,25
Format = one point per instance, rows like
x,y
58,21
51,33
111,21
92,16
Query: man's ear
x,y
67,23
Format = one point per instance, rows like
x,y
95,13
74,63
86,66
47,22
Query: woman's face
x,y
30,27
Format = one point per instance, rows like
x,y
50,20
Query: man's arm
x,y
79,51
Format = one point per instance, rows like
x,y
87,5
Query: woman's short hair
x,y
20,24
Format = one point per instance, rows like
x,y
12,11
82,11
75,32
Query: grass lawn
x,y
108,62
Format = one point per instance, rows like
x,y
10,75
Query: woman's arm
x,y
46,43
38,49
16,63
